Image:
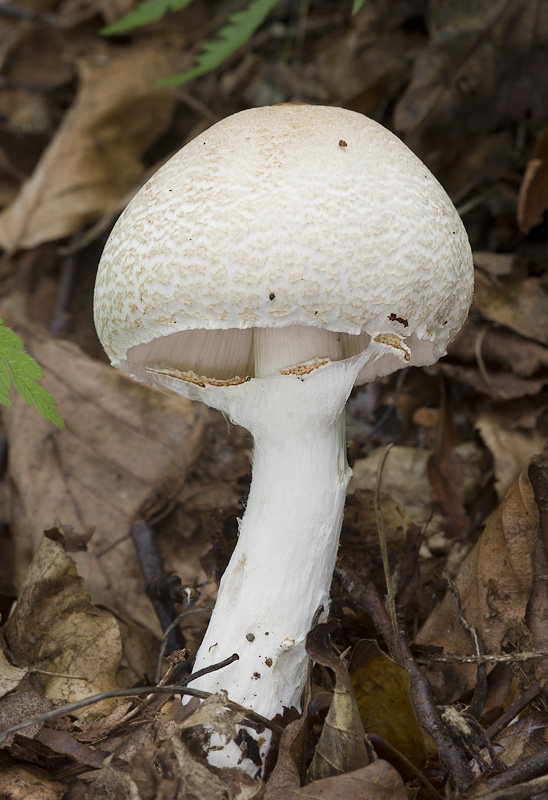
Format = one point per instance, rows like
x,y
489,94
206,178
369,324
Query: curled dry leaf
x,y
383,695
341,747
56,628
494,583
95,155
121,441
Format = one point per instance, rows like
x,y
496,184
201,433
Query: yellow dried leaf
x,y
383,695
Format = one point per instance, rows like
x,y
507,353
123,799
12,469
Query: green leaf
x,y
143,14
239,29
24,372
356,5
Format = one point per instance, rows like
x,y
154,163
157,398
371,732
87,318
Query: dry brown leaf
x,y
121,440
512,446
520,304
20,782
94,157
360,517
378,781
341,747
404,477
56,628
494,583
286,775
383,695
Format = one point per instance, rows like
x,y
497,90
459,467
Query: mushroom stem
x,y
281,569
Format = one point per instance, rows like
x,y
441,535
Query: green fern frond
x,y
239,29
144,14
356,5
24,371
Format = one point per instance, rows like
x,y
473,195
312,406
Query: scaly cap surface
x,y
287,215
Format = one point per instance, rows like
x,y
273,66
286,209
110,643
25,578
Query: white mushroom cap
x,y
289,215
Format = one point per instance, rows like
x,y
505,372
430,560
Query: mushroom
x,y
280,258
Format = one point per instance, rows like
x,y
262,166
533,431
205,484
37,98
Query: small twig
x,y
27,86
367,597
153,572
163,643
527,768
386,748
480,692
60,315
479,356
451,754
522,702
385,560
450,751
212,668
486,658
136,692
57,674
522,791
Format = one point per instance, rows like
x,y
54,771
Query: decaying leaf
x,y
383,695
122,440
55,627
341,747
494,583
95,155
